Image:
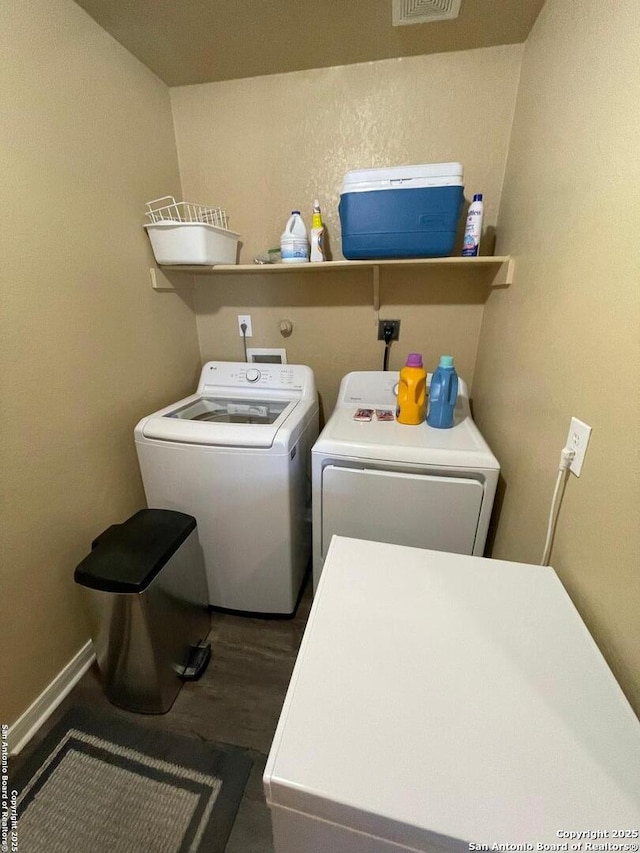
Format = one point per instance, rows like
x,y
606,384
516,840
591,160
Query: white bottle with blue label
x,y
294,242
473,228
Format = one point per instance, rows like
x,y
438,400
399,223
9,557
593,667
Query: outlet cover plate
x,y
245,318
396,329
578,440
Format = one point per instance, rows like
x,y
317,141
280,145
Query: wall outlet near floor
x,y
578,441
245,318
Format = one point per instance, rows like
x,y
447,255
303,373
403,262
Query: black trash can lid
x,y
127,557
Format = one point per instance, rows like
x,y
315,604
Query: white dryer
x,y
236,455
406,485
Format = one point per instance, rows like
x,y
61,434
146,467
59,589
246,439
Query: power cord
x,y
243,329
567,455
387,333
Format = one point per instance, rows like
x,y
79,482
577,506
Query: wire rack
x,y
167,209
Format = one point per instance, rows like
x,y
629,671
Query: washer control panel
x,y
229,375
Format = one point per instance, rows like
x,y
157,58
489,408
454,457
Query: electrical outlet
x,y
396,329
578,441
245,318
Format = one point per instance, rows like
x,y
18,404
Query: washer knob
x,y
253,374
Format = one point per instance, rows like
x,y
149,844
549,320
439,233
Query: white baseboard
x,y
24,728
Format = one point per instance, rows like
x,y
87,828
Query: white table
x,y
442,701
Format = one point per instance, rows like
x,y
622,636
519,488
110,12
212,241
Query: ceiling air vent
x,y
424,11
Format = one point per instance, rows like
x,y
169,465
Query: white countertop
x,y
441,699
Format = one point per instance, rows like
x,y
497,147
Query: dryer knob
x,y
253,374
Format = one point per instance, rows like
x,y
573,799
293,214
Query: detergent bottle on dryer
x,y
443,392
412,391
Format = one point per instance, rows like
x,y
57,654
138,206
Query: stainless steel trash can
x,y
148,604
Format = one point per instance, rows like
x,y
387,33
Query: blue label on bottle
x,y
469,246
294,250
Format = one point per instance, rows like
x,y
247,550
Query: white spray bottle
x,y
473,228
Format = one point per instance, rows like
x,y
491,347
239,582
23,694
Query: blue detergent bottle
x,y
443,393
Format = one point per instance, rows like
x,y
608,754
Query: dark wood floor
x,y
237,701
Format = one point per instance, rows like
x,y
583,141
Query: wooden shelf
x,y
500,269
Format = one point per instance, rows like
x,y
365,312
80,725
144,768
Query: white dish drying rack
x,y
167,209
185,233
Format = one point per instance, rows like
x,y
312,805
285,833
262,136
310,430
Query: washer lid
x,y
243,421
442,699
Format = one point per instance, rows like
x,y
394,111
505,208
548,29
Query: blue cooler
x,y
403,212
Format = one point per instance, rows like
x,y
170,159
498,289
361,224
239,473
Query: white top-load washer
x,y
236,455
449,702
408,485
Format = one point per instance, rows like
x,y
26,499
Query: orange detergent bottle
x,y
412,390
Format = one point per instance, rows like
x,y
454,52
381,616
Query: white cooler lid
x,y
426,175
445,699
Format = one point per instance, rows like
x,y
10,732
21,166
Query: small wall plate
x,y
264,355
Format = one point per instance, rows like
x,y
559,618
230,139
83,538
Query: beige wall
x,y
262,146
87,346
563,340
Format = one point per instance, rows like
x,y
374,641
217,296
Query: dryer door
x,y
404,509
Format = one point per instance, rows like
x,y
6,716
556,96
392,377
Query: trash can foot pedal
x,y
198,661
